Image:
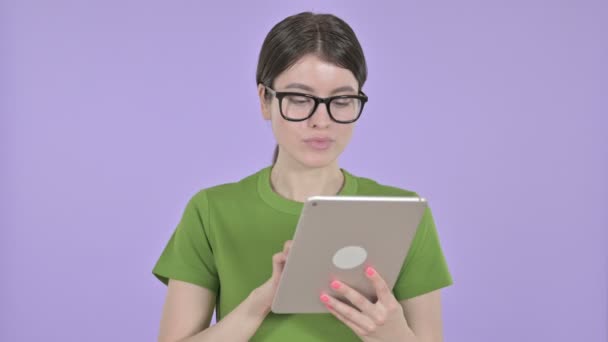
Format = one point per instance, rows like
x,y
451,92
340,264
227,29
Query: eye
x,y
298,100
343,102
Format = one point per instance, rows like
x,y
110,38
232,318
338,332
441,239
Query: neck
x,y
297,182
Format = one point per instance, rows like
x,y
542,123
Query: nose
x,y
320,118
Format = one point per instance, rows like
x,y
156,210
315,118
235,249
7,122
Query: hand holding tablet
x,y
337,238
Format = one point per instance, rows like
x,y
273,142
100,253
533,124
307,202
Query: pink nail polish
x,y
324,298
335,284
370,271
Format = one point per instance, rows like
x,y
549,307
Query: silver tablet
x,y
337,237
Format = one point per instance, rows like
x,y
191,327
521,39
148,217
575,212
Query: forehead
x,y
319,75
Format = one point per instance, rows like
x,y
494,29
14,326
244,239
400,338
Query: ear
x,y
264,105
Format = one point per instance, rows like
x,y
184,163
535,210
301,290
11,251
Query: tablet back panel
x,y
337,237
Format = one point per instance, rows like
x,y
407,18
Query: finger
x,y
358,330
349,313
278,258
356,298
287,246
382,290
278,262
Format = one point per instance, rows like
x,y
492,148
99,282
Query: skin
x,y
300,172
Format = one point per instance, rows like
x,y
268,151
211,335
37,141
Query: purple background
x,y
115,112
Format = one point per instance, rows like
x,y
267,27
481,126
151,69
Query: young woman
x,y
230,246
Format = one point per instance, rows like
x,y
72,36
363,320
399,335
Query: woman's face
x,y
311,75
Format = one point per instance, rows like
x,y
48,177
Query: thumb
x,y
278,263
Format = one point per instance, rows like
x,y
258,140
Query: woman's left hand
x,y
383,320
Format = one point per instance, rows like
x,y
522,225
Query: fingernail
x,y
370,271
335,284
324,298
329,306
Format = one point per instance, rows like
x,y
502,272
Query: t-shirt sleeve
x,y
425,268
188,256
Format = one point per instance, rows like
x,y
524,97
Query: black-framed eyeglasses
x,y
342,109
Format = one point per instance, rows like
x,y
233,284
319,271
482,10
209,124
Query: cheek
x,y
284,131
345,134
277,122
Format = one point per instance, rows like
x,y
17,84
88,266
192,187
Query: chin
x,y
317,160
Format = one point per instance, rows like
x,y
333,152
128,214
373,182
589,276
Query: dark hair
x,y
325,35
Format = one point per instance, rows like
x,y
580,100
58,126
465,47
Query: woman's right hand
x,y
264,295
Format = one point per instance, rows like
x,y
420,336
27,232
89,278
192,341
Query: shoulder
x,y
229,191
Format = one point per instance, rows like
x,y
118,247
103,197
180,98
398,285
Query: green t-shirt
x,y
229,232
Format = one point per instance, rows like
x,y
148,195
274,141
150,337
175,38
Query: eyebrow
x,y
309,89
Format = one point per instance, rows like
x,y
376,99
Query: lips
x,y
319,143
318,140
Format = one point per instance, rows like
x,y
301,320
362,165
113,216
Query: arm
x,y
187,314
423,315
188,308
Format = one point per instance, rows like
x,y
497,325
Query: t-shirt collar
x,y
294,207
